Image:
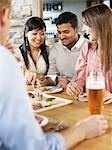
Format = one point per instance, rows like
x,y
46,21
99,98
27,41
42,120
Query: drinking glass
x,y
95,87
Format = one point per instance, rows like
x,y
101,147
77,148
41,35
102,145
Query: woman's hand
x,y
30,77
41,77
108,97
74,88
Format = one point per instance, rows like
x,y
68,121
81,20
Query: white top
x,y
62,60
40,66
18,128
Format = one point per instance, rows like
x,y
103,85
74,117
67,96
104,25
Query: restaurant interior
x,y
48,10
66,111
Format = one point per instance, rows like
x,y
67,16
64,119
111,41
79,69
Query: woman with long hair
x,y
97,23
34,51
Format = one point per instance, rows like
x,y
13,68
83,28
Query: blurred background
x,y
49,11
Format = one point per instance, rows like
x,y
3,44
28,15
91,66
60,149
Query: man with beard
x,y
64,53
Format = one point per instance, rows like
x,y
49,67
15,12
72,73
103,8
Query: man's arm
x,y
18,128
52,69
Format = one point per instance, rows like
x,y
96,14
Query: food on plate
x,y
42,120
31,95
46,102
49,102
37,106
35,97
49,99
50,89
39,101
39,119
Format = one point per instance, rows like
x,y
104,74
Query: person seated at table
x,y
34,52
18,128
98,26
63,55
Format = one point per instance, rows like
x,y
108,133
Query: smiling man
x,y
64,53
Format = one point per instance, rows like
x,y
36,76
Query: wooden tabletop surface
x,y
72,113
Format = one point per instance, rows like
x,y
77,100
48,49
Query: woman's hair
x,y
31,24
99,17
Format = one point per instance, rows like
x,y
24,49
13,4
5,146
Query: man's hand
x,y
93,126
46,82
63,81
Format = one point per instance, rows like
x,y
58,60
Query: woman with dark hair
x,y
33,50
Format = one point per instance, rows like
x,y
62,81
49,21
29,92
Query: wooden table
x,y
72,113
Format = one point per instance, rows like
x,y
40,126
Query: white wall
x,y
75,7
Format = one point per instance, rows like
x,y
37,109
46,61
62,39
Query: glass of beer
x,y
95,87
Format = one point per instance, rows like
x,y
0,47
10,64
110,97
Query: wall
x,y
22,10
75,6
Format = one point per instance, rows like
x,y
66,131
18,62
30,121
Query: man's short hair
x,y
67,17
5,3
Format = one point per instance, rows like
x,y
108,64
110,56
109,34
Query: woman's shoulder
x,y
86,49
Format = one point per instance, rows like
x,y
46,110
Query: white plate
x,y
82,97
49,89
57,103
52,90
44,121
